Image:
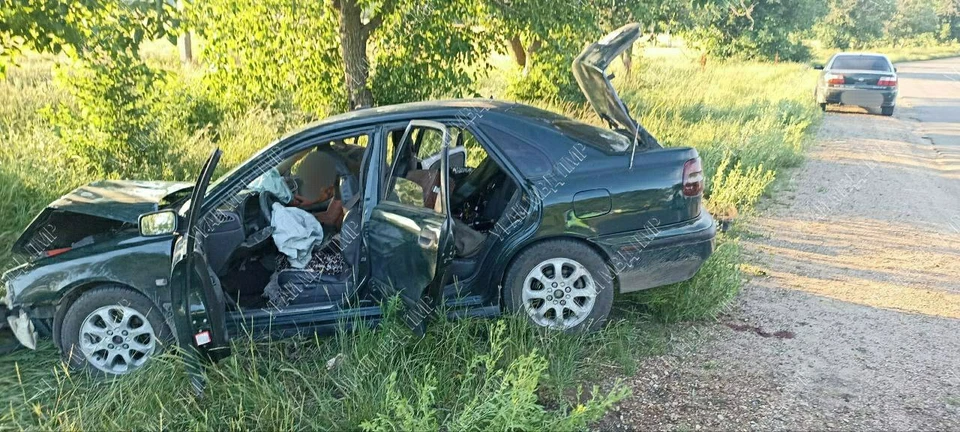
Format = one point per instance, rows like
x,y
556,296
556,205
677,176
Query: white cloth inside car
x,y
296,233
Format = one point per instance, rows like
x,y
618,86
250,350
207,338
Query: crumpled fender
x,y
23,329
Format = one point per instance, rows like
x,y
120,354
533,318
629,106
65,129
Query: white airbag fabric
x,y
271,181
296,233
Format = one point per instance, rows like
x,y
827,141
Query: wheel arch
x,y
77,289
563,237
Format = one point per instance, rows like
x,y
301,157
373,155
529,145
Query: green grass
x,y
749,121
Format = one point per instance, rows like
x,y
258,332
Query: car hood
x,y
118,200
590,71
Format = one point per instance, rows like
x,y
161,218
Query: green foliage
x,y
469,375
851,23
258,54
872,23
738,187
405,414
754,29
553,33
429,49
913,18
114,130
86,27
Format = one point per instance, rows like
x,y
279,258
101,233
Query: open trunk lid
x,y
590,70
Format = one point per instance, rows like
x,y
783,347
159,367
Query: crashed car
x,y
469,207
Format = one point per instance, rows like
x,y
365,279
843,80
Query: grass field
x,y
749,122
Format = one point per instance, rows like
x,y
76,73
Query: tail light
x,y
834,79
887,82
692,178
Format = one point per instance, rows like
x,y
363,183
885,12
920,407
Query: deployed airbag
x,y
296,233
272,182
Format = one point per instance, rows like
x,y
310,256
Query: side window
x,y
473,151
408,182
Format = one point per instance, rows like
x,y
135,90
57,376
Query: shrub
x,y
114,129
738,187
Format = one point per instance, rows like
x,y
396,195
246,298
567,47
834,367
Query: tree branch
x,y
388,7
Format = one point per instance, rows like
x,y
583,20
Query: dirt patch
x,y
857,268
779,334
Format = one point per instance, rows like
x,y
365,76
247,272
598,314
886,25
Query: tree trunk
x,y
353,40
627,58
185,41
530,51
519,52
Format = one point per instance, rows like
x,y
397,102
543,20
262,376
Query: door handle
x,y
428,238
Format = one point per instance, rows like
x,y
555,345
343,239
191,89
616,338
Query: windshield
x,y
862,62
605,140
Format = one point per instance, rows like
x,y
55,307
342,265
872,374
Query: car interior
x,y
243,255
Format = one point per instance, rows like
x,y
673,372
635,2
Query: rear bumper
x,y
654,257
858,96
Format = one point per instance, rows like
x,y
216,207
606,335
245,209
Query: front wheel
x,y
887,111
560,284
112,331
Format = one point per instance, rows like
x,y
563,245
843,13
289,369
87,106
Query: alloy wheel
x,y
559,293
117,339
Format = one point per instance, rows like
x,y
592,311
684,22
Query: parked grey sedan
x,y
860,79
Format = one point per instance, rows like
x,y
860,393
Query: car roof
x,y
464,107
858,53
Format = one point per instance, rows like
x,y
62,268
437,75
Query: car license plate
x,y
861,98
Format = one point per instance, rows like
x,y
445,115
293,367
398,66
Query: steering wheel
x,y
266,206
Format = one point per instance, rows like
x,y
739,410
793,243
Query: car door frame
x,y
420,309
300,319
198,305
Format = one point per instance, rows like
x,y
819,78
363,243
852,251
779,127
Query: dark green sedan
x,y
469,207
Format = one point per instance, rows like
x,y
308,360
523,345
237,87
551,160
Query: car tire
x,y
112,330
823,107
583,299
887,111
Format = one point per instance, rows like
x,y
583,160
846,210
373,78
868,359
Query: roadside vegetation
x,y
121,104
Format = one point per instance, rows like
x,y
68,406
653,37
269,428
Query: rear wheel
x,y
823,107
112,331
560,284
887,111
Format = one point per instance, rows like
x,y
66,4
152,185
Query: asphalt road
x,y
851,317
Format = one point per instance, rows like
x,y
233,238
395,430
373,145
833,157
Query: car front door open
x,y
199,309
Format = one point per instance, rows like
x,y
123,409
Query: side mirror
x,y
818,66
159,223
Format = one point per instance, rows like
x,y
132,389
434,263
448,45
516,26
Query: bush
x,y
113,130
738,187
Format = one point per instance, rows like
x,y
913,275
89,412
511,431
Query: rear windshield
x,y
605,140
861,62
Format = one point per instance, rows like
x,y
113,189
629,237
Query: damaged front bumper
x,y
20,325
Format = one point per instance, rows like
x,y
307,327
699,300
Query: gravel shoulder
x,y
851,319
